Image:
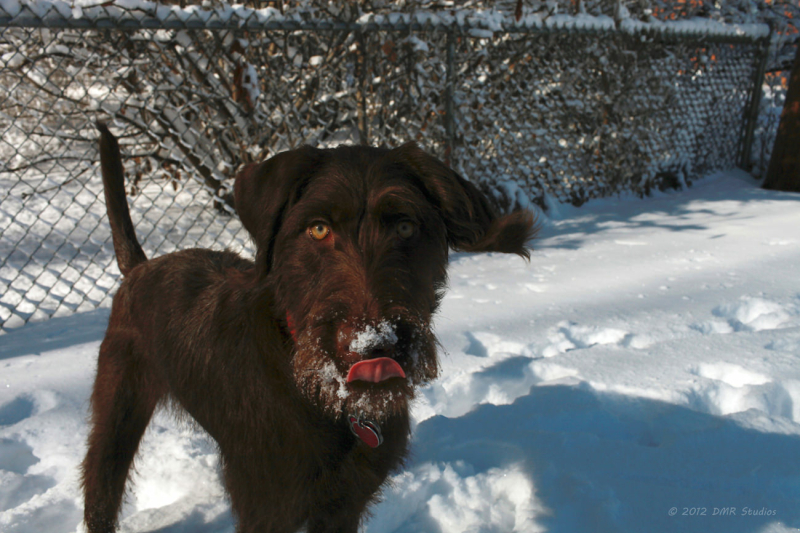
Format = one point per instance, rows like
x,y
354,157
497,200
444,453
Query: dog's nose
x,y
377,352
381,351
370,341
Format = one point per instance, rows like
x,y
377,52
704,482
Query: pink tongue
x,y
375,370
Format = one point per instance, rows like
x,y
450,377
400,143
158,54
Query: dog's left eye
x,y
319,231
405,229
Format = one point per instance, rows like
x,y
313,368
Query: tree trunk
x,y
783,173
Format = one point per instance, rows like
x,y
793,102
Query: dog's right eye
x,y
319,231
406,229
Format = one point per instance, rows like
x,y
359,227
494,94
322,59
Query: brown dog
x,y
302,365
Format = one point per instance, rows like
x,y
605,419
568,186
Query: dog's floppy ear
x,y
263,191
471,222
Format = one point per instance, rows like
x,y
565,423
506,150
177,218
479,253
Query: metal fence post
x,y
361,74
449,102
753,108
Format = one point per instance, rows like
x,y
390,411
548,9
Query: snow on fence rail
x,y
565,108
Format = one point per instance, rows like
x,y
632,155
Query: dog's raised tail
x,y
126,247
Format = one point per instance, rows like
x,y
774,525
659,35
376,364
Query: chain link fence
x,y
532,110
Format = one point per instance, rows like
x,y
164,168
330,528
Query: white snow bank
x,y
641,373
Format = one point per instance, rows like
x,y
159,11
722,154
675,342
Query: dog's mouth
x,y
375,370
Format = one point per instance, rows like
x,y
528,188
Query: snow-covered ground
x,y
640,374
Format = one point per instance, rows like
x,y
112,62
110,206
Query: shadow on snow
x,y
609,463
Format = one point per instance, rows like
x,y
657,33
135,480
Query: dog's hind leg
x,y
123,400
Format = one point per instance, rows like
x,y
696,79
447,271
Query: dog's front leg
x,y
346,493
346,520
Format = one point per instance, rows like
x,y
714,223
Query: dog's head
x,y
354,243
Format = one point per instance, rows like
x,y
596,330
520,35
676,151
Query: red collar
x,y
291,327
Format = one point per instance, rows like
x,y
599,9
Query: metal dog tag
x,y
368,432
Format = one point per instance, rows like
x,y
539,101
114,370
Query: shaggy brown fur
x,y
352,246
